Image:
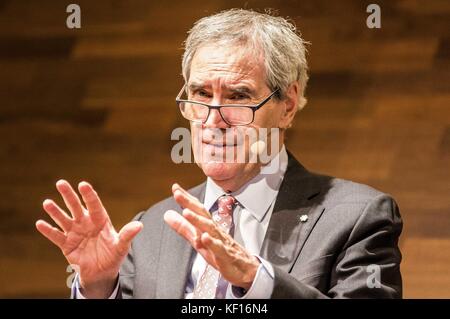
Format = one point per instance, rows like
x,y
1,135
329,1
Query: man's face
x,y
229,75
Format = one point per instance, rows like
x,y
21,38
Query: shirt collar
x,y
258,194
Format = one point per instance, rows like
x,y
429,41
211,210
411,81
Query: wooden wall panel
x,y
97,104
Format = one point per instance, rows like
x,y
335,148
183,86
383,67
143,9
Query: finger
x,y
229,262
97,211
186,200
182,227
202,223
127,234
184,196
215,245
71,199
57,214
51,233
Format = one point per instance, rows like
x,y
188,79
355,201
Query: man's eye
x,y
203,94
239,97
199,95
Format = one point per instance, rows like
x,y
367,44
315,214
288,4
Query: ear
x,y
290,104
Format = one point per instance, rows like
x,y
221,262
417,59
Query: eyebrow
x,y
193,86
242,89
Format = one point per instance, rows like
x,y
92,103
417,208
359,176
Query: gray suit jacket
x,y
347,248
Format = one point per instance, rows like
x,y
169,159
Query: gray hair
x,y
282,47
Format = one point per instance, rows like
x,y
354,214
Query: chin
x,y
221,171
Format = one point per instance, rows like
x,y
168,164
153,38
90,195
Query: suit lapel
x,y
288,230
175,260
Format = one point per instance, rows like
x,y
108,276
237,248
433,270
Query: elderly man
x,y
252,230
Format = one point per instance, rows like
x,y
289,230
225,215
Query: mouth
x,y
226,141
218,144
220,141
216,152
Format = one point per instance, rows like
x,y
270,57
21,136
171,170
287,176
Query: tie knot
x,y
226,204
224,215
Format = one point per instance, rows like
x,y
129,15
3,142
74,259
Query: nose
x,y
215,120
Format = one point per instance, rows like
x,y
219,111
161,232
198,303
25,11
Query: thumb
x,y
126,235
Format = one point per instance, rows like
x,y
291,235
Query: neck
x,y
233,184
236,182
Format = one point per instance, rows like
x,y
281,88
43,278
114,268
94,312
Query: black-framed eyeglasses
x,y
232,114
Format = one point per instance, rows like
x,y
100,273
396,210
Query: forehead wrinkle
x,y
226,81
213,64
233,73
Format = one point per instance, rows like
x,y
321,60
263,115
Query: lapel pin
x,y
303,218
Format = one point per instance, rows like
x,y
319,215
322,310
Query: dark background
x,y
97,104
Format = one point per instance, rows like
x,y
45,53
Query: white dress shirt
x,y
255,202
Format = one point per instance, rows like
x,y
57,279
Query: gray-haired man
x,y
249,231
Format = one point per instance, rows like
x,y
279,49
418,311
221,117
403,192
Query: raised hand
x,y
218,248
87,238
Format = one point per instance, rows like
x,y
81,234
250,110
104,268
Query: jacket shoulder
x,y
353,202
350,199
346,191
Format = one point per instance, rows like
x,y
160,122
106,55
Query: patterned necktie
x,y
207,285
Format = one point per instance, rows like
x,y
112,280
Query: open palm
x,y
87,239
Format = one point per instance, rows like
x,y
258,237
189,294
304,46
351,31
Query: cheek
x,y
268,118
195,140
195,132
